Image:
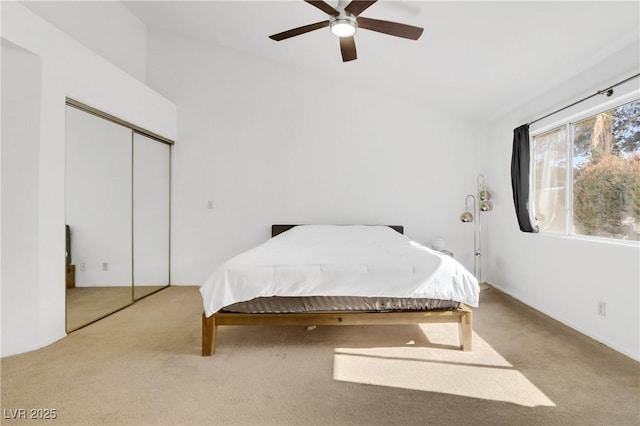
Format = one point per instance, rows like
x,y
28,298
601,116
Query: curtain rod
x,y
608,91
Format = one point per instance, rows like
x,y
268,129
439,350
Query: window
x,y
586,175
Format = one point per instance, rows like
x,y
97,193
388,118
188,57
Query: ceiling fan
x,y
345,20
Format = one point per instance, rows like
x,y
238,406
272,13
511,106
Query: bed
x,y
314,275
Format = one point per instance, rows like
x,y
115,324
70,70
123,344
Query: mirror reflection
x,y
117,215
98,216
151,172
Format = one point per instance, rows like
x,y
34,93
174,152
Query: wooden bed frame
x,y
462,315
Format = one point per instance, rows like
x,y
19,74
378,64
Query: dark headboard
x,y
279,229
67,231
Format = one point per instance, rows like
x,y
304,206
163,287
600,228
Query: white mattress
x,y
327,260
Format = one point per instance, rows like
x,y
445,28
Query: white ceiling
x,y
477,58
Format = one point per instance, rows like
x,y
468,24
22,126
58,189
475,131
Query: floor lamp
x,y
473,216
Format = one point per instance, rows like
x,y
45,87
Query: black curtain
x,y
520,159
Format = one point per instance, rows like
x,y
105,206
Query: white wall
x,y
151,213
21,73
561,276
106,27
98,199
68,70
268,144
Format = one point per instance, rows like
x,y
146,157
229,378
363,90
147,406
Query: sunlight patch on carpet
x,y
440,367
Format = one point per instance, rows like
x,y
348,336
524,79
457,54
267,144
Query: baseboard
x,y
563,321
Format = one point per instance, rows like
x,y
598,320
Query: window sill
x,y
596,240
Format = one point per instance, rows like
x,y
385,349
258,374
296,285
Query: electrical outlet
x,y
83,267
105,266
210,204
602,309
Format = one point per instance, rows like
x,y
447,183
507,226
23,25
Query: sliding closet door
x,y
98,217
151,179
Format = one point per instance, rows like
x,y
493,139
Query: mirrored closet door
x,y
117,215
151,171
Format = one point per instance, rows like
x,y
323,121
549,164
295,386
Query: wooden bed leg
x,y
208,335
465,329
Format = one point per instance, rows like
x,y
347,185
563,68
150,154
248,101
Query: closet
x,y
117,214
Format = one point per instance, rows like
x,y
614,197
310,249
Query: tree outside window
x,y
605,175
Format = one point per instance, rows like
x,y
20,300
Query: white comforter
x,y
326,260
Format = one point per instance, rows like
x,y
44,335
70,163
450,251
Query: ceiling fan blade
x,y
356,7
300,30
323,7
391,28
348,49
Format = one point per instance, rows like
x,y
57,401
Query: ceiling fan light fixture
x,y
344,20
343,27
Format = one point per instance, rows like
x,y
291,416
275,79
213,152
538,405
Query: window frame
x,y
567,121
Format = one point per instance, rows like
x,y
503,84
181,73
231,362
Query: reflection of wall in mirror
x,y
98,199
151,175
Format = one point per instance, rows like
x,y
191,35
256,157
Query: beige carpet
x,y
88,304
142,366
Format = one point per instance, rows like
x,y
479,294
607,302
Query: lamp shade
x,y
486,206
484,195
466,217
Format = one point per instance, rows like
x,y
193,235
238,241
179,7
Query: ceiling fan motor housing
x,y
344,25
